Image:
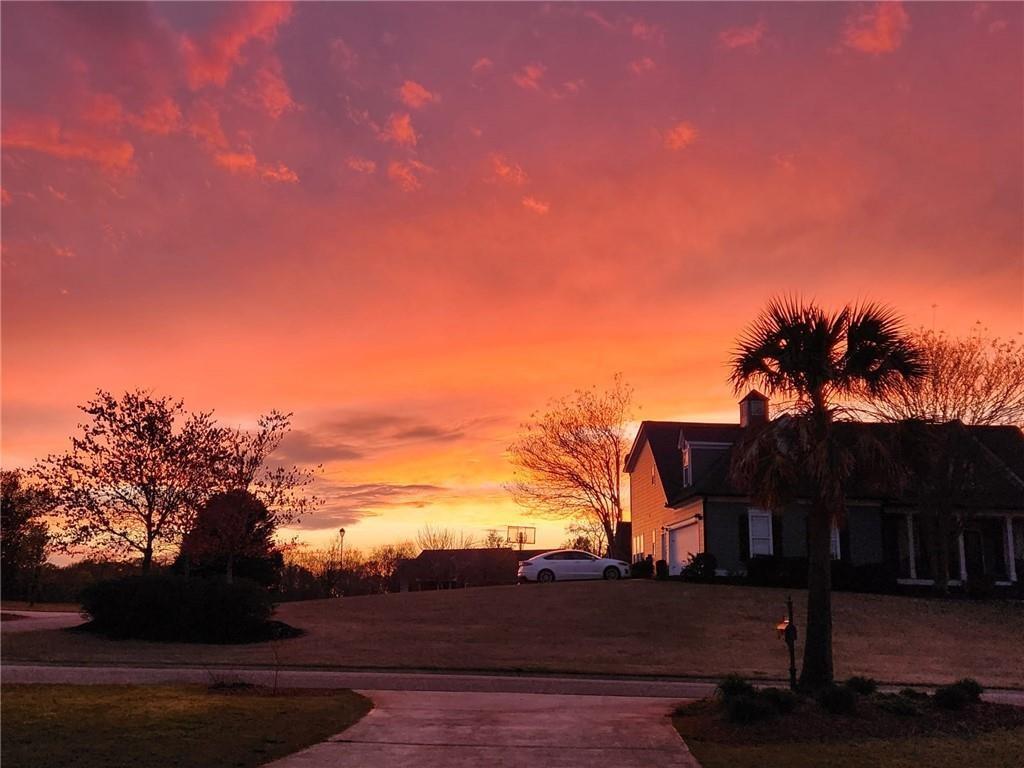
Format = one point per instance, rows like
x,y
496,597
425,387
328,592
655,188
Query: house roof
x,y
996,455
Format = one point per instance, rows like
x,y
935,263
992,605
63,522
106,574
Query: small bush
x,y
898,704
168,607
735,685
911,693
971,688
781,700
642,569
700,568
838,700
864,686
746,708
661,570
951,697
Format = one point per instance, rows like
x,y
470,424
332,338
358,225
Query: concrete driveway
x,y
435,729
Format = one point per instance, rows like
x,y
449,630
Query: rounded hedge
x,y
170,607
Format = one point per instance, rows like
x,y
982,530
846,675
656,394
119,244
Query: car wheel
x,y
545,576
611,573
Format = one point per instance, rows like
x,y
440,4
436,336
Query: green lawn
x,y
998,749
165,726
627,627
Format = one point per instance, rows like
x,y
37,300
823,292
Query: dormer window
x,y
687,465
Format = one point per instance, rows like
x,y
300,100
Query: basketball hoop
x,y
521,534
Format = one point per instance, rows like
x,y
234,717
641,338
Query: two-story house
x,y
683,502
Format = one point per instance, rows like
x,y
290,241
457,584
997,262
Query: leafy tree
x,y
134,473
23,534
568,460
231,528
818,358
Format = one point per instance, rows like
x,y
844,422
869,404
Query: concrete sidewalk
x,y
418,729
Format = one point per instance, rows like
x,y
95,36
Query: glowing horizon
x,y
413,225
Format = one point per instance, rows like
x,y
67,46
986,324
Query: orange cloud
x,y
529,77
361,165
46,135
210,61
641,65
506,171
879,29
269,91
399,130
680,136
406,174
414,95
103,109
5,197
535,205
743,37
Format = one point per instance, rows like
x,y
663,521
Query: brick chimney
x,y
753,409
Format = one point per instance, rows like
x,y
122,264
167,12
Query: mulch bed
x,y
704,720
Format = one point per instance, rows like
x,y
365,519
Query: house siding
x,y
647,510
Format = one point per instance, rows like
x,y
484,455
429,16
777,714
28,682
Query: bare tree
x,y
429,537
135,471
975,380
568,460
587,535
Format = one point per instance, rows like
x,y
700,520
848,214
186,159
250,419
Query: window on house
x,y
638,548
759,525
687,465
756,408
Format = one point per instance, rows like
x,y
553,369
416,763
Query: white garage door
x,y
682,542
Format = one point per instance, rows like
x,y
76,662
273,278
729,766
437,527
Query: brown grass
x,y
629,628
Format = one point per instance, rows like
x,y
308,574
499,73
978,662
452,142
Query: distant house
x,y
682,502
457,568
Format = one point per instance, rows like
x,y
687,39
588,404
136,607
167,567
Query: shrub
x,y
898,704
169,607
971,688
745,708
781,700
951,697
642,569
735,685
865,686
661,570
838,700
700,567
911,693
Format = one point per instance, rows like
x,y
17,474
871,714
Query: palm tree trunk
x,y
817,666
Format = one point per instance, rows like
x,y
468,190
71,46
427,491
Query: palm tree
x,y
817,359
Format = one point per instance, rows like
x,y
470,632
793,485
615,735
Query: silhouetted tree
x,y
23,534
429,537
799,350
587,536
134,473
233,527
568,460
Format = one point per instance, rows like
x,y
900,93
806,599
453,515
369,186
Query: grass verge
x,y
166,725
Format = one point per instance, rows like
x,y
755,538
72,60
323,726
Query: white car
x,y
570,564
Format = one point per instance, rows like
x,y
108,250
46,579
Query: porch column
x,y
1011,563
963,557
910,546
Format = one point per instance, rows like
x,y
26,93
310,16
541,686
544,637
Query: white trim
x,y
1011,563
836,543
963,556
707,444
911,548
682,524
757,513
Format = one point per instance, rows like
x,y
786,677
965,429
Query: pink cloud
x,y
5,197
680,136
246,163
529,77
505,171
537,206
399,130
47,136
361,164
641,65
743,37
481,67
204,124
643,30
415,96
161,118
342,55
103,109
407,174
211,60
269,91
879,29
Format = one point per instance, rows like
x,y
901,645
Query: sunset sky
x,y
412,225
